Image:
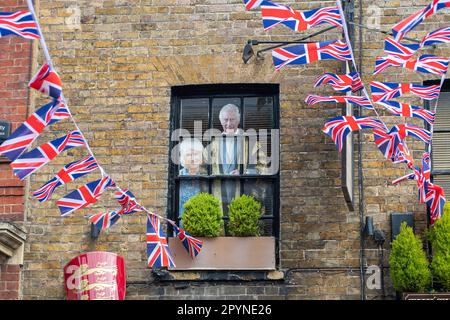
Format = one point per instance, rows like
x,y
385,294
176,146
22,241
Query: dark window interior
x,y
196,109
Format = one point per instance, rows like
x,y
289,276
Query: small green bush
x,y
244,213
203,216
440,267
439,233
408,262
439,236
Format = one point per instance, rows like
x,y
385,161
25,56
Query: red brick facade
x,y
15,65
15,58
9,281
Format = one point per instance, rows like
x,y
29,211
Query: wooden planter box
x,y
227,253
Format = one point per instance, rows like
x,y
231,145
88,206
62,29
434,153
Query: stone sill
x,y
165,275
12,239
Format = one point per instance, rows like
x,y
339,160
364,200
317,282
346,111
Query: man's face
x,y
230,122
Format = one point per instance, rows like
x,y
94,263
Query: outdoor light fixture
x,y
378,235
95,232
368,228
248,51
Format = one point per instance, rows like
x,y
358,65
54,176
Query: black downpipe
x,y
360,168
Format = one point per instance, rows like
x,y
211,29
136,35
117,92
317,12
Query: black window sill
x,y
162,275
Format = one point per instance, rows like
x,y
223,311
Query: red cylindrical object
x,y
95,275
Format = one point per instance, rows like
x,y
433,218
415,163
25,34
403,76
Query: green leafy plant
x,y
408,262
439,236
203,216
244,213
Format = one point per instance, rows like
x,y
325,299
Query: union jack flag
x,y
382,91
358,100
427,64
37,158
47,81
19,23
407,110
403,155
342,83
437,36
311,52
24,135
103,221
252,4
84,196
158,251
422,183
404,130
338,128
410,176
406,25
388,142
274,14
425,177
435,201
69,173
128,202
192,245
399,50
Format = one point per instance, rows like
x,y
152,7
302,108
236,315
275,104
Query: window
x,y
224,141
441,138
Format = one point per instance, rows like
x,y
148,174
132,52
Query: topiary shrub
x,y
408,262
439,236
244,213
203,216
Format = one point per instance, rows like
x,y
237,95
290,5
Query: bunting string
x,y
86,143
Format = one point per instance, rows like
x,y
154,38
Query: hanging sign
x,y
5,130
95,276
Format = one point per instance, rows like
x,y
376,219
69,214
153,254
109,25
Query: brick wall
x,y
118,65
15,57
15,67
9,281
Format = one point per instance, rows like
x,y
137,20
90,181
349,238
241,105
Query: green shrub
x,y
440,267
439,233
244,213
439,236
203,216
408,262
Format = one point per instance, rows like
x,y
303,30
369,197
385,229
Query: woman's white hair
x,y
188,145
227,108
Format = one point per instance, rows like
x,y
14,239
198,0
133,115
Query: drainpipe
x,y
360,167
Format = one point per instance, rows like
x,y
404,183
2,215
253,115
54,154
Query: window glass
x,y
194,110
262,191
191,157
258,113
226,190
234,120
226,158
188,189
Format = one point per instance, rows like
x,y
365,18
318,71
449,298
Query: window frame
x,y
214,91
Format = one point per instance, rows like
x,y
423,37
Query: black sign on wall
x,y
5,130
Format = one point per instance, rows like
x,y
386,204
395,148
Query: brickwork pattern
x,y
15,54
9,282
118,65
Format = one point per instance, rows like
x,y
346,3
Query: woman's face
x,y
193,158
